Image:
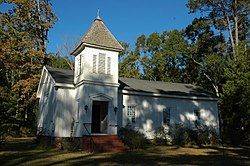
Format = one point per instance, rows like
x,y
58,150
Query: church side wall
x,y
149,112
64,113
46,105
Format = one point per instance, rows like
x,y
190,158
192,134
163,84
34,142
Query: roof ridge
x,y
159,81
51,67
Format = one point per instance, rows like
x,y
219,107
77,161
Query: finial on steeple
x,y
98,15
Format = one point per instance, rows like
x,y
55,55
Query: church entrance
x,y
99,117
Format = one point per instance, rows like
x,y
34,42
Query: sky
x,y
126,19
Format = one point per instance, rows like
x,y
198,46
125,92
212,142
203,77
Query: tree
x,y
206,52
230,73
230,15
69,43
235,106
23,36
128,63
58,61
161,56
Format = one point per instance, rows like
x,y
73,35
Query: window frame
x,y
131,114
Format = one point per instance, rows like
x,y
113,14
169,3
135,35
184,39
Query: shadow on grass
x,y
19,144
25,152
19,150
142,158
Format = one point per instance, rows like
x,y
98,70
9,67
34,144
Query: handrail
x,y
115,125
91,141
84,124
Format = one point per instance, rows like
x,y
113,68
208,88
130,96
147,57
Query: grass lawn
x,y
24,151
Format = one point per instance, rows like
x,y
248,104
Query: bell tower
x,y
96,56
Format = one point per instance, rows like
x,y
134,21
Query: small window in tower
x,y
109,66
94,63
101,64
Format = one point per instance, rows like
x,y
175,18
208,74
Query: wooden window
x,y
101,64
166,116
109,65
94,63
131,114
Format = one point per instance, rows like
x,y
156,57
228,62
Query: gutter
x,y
126,92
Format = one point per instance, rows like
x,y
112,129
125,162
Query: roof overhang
x,y
64,85
41,82
82,46
131,92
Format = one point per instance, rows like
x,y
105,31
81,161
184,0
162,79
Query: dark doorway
x,y
99,117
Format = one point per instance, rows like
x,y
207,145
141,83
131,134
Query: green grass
x,y
24,151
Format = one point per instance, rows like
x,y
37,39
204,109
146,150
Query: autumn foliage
x,y
23,35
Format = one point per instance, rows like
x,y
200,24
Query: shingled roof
x,y
98,36
137,85
166,88
61,75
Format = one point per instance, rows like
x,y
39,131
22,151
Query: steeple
x,y
98,36
98,15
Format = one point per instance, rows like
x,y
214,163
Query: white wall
x,y
87,66
149,114
46,103
56,108
93,86
85,95
64,112
62,105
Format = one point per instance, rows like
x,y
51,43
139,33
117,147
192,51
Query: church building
x,y
94,100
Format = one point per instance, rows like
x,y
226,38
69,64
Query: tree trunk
x,y
236,31
231,36
227,19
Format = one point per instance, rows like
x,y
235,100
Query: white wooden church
x,y
94,100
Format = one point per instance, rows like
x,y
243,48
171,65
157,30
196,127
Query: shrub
x,y
161,136
3,134
179,134
200,135
132,138
214,137
206,135
26,132
69,143
65,143
8,130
